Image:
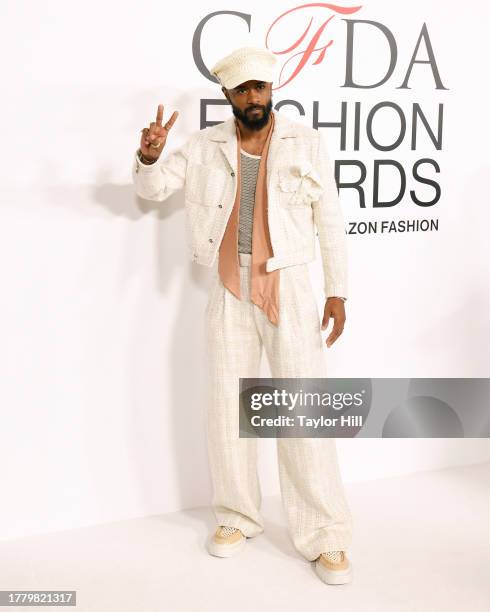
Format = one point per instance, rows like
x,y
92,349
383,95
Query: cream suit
x,y
301,195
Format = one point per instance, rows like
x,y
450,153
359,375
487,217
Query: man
x,y
256,188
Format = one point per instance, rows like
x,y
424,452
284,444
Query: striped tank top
x,y
249,169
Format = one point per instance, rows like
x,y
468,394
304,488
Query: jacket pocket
x,y
299,185
205,185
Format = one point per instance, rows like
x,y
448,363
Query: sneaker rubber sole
x,y
333,576
226,550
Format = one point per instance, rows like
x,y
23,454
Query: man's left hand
x,y
334,307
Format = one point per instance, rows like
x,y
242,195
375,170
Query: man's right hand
x,y
155,135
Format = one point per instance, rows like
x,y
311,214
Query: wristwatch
x,y
143,160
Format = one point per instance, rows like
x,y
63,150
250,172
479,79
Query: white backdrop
x,y
101,313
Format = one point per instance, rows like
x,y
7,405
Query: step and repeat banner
x,y
399,96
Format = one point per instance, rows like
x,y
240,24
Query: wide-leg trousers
x,y
317,513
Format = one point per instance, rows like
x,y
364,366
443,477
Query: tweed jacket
x,y
302,195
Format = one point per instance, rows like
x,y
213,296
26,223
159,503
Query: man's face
x,y
251,102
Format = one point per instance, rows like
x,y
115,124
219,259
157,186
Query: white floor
x,y
421,543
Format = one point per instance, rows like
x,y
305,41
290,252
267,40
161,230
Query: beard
x,y
252,120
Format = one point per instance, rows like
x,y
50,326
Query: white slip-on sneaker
x,y
226,542
334,567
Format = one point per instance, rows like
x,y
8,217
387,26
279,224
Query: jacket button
x,y
220,205
210,240
232,174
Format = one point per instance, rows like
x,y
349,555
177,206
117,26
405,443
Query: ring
x,y
154,146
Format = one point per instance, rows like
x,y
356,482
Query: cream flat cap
x,y
245,64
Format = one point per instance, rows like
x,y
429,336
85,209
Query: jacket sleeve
x,y
160,180
329,222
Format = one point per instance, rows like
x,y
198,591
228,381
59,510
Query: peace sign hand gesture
x,y
153,139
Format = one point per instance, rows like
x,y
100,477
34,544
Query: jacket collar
x,y
225,134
